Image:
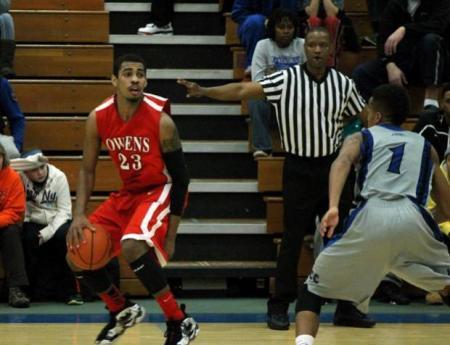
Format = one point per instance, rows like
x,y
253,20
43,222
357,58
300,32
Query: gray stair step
x,y
223,226
168,40
226,146
223,186
146,7
206,109
179,73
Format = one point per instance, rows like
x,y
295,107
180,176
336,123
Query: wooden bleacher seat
x,y
107,177
60,96
274,214
77,5
355,6
55,133
61,26
231,36
270,175
76,61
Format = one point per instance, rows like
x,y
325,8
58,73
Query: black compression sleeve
x,y
176,166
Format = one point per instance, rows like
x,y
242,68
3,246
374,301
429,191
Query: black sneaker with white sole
x,y
181,332
119,322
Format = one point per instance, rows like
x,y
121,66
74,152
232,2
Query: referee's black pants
x,y
305,196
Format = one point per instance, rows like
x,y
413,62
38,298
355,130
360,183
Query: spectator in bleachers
x,y
325,13
282,49
47,218
251,16
7,40
162,17
412,43
12,208
434,124
16,121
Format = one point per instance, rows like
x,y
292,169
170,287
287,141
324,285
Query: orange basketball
x,y
95,252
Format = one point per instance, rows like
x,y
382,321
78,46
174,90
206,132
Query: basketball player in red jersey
x,y
143,216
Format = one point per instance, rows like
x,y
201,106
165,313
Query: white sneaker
x,y
260,154
152,29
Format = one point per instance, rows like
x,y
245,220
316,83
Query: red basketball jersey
x,y
134,145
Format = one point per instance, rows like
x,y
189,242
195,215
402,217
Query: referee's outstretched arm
x,y
227,92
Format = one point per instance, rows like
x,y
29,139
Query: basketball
x,y
95,252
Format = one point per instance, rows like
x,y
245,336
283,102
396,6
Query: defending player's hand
x,y
75,234
193,89
329,222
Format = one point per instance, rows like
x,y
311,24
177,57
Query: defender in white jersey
x,y
390,230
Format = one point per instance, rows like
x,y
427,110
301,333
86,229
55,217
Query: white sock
x,y
304,339
429,101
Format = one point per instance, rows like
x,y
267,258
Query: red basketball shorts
x,y
143,217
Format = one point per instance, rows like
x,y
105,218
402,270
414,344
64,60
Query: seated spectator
x,y
16,121
162,17
12,208
281,50
434,123
251,16
325,13
412,41
47,218
7,40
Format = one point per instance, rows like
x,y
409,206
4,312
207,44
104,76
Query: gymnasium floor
x,y
222,322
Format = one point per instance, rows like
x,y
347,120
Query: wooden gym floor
x,y
222,322
228,334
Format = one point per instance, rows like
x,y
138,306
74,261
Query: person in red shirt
x,y
12,210
143,216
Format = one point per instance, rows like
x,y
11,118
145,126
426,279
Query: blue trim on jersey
x,y
428,218
392,127
347,223
366,156
426,168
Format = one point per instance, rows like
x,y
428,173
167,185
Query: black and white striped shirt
x,y
310,112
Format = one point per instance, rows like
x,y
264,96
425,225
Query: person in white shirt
x,y
47,218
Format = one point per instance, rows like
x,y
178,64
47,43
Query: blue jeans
x,y
260,112
6,27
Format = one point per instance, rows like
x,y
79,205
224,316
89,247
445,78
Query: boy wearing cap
x,y
12,208
47,218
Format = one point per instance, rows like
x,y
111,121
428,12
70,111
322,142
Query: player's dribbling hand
x,y
193,89
75,234
329,222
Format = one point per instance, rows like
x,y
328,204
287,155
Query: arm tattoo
x,y
173,143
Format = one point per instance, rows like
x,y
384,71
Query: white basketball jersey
x,y
394,163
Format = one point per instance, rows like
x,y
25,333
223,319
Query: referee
x,y
311,104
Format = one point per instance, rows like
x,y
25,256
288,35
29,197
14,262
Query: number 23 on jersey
x,y
133,162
